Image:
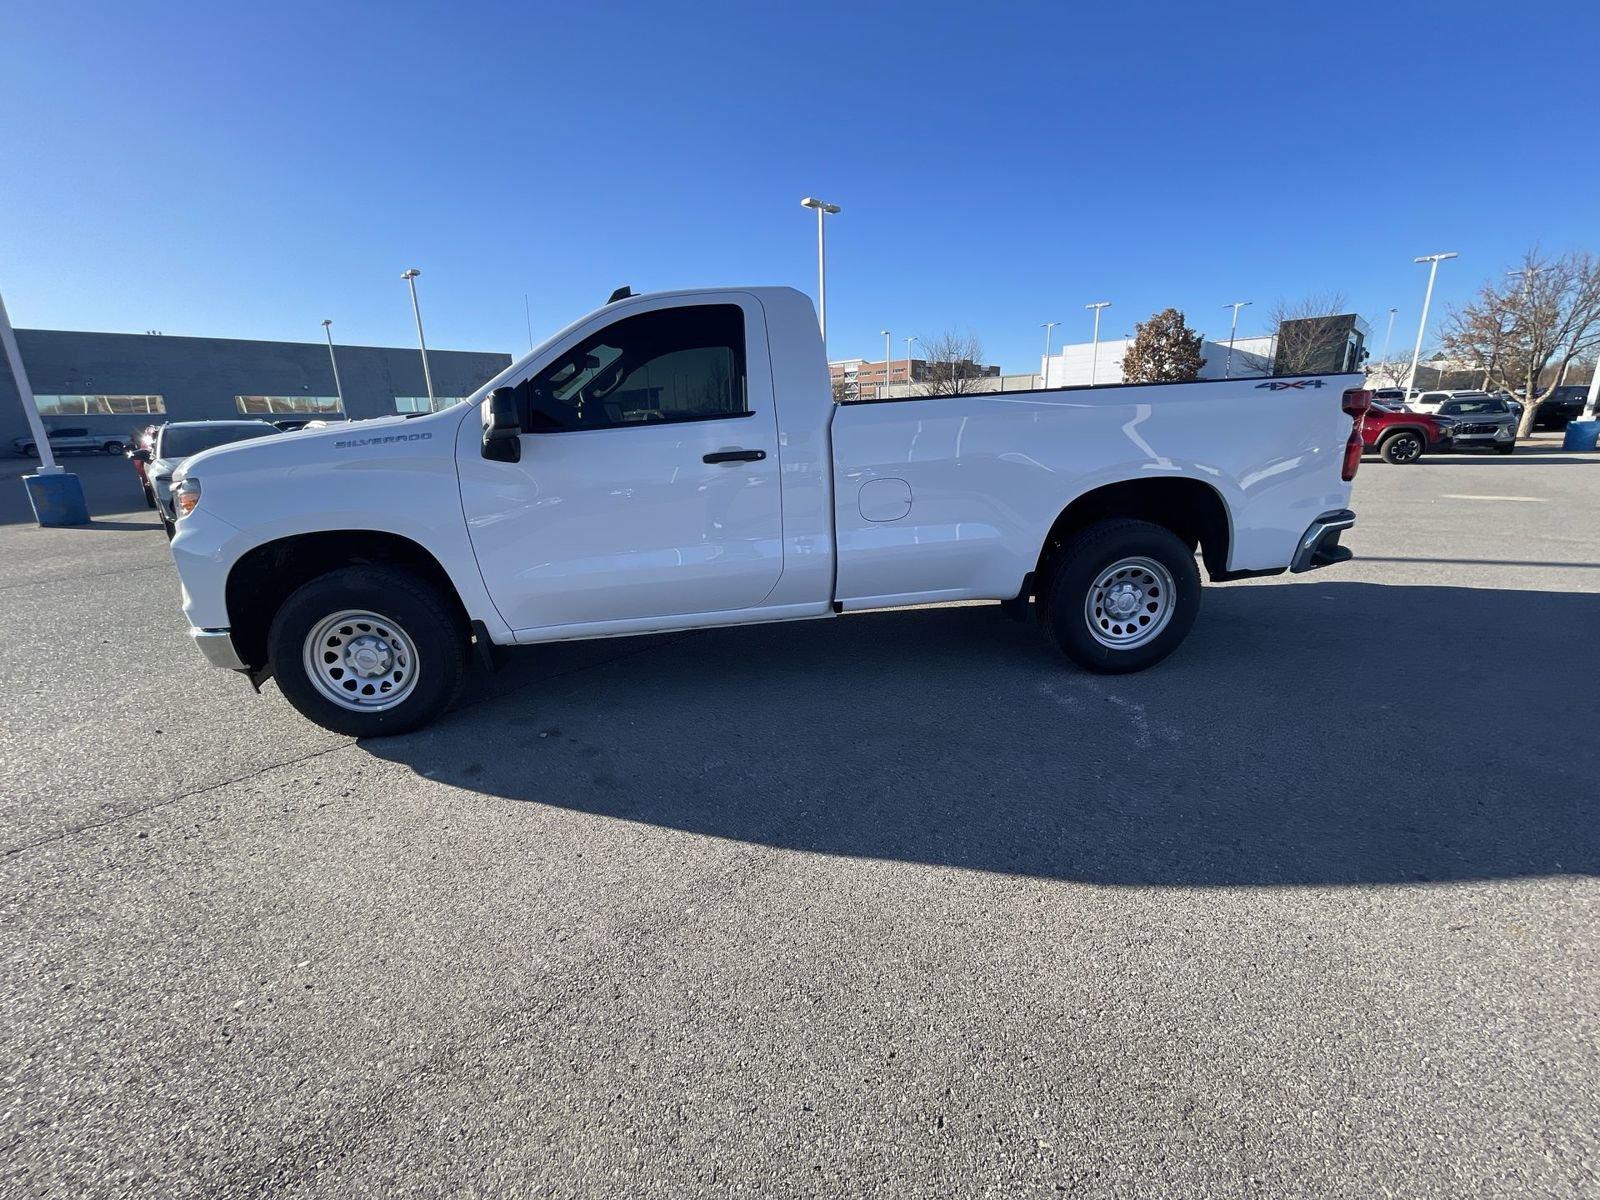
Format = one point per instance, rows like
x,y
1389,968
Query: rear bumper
x,y
217,646
1319,545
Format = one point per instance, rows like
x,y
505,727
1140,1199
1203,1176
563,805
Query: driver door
x,y
648,482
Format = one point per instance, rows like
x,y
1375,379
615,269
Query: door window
x,y
678,364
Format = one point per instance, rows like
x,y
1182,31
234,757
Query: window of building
x,y
263,405
680,364
419,404
99,406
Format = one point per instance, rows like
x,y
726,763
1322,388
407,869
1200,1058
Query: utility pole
x,y
1047,327
886,353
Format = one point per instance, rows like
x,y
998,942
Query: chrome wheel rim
x,y
361,661
1407,448
1130,603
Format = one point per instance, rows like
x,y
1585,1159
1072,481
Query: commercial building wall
x,y
200,379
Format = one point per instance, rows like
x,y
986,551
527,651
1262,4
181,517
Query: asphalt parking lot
x,y
899,904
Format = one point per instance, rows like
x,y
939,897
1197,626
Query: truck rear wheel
x,y
1123,595
368,651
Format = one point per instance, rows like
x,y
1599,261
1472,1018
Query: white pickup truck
x,y
677,461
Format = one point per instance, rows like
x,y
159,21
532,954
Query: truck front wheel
x,y
1122,595
368,651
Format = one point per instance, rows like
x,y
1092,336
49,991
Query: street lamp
x,y
1227,372
1433,270
1047,327
427,376
824,210
1388,336
327,328
1094,357
887,354
909,340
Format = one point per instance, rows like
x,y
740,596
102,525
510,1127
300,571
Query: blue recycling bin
x,y
1582,435
57,498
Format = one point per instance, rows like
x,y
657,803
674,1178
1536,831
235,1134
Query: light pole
x,y
824,210
427,376
56,495
1388,336
886,357
1422,325
1227,371
1094,355
327,328
1047,327
909,340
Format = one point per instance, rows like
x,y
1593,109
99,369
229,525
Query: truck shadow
x,y
1308,733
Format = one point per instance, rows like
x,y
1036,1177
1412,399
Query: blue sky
x,y
246,170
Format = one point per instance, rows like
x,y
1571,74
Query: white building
x,y
1075,365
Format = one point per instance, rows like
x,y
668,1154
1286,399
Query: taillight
x,y
1357,401
1352,456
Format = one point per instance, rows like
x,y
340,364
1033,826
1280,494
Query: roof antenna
x,y
622,293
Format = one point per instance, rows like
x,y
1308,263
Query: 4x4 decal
x,y
1277,385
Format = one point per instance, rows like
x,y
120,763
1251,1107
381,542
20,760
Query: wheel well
x,y
1191,509
264,577
1398,430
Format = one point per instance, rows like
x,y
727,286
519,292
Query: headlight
x,y
185,497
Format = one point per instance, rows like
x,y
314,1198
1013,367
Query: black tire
x,y
149,497
168,528
1507,449
1402,449
29,450
427,619
1080,565
113,447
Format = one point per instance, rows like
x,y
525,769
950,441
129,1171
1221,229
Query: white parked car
x,y
677,461
177,441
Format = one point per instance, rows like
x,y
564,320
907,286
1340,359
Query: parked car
x,y
1402,436
677,461
177,441
1482,422
1564,405
69,441
143,439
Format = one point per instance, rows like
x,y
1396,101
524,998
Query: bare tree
x,y
1302,329
1524,335
1388,374
844,390
953,364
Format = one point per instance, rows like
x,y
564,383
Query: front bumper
x,y
1319,545
217,646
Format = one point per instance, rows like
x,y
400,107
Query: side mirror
x,y
502,429
141,455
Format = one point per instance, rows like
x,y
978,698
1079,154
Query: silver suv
x,y
1480,420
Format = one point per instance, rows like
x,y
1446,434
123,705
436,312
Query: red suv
x,y
1402,436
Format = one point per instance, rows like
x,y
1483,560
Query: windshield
x,y
180,441
1472,408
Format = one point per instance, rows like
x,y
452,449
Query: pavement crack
x,y
11,587
90,826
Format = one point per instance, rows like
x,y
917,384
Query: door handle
x,y
729,456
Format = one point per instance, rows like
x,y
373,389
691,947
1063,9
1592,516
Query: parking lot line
x,y
1517,499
